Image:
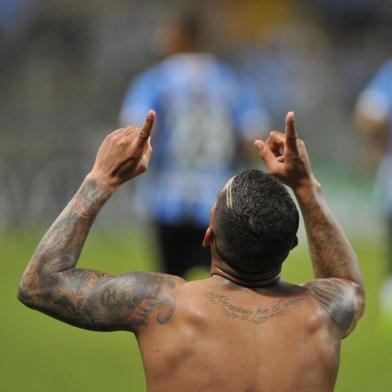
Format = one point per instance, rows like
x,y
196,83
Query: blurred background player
x,y
205,111
374,115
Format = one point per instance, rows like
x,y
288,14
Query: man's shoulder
x,y
148,75
340,300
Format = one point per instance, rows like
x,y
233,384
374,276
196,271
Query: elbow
x,y
24,295
360,300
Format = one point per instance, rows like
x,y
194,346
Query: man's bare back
x,y
225,337
235,331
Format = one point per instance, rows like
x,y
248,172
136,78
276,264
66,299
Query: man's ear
x,y
295,242
208,237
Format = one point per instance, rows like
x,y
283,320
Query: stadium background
x,y
64,69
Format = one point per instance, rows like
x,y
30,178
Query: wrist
x,y
106,185
306,188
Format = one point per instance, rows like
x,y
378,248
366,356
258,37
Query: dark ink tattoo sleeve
x,y
331,253
86,298
339,287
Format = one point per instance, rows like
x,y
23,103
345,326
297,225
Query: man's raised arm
x,y
338,286
92,299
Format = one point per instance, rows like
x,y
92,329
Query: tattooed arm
x,y
86,298
338,286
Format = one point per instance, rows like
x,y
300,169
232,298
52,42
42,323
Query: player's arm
x,y
250,117
372,117
338,286
89,299
373,109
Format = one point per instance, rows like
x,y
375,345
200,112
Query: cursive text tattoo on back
x,y
258,316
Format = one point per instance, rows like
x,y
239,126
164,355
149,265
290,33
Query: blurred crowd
x,y
66,67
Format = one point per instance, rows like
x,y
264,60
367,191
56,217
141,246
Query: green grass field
x,y
41,354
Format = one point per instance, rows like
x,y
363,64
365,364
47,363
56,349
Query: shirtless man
x,y
242,329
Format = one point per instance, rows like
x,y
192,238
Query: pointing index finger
x,y
146,129
291,134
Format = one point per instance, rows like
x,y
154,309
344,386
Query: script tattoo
x,y
332,296
87,298
257,316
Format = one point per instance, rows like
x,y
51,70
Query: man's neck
x,y
247,279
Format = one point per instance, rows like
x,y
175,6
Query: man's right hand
x,y
124,154
286,157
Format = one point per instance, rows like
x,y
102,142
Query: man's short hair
x,y
190,23
256,222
